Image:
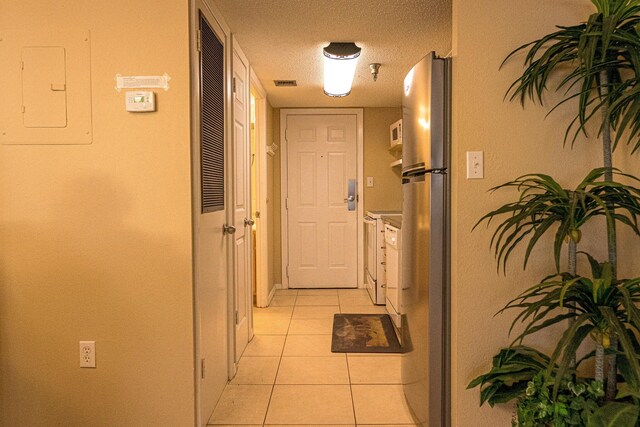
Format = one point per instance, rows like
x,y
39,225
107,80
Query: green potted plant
x,y
599,61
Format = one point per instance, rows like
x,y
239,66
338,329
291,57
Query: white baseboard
x,y
279,286
272,294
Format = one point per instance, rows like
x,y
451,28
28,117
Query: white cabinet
x,y
392,236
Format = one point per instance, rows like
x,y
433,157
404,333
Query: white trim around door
x,y
359,113
241,183
262,219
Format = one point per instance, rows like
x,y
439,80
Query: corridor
x,y
288,375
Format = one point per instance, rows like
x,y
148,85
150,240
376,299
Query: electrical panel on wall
x,y
46,81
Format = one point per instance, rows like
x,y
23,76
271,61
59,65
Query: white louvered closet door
x,y
210,208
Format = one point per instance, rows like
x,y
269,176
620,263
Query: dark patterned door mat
x,y
364,333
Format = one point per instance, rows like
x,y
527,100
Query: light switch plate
x,y
475,165
369,181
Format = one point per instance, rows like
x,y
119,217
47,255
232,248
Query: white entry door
x,y
322,225
242,203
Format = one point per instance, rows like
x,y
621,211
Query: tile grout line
x,y
353,402
287,335
273,386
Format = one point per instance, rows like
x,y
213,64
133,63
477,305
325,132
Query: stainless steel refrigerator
x,y
425,241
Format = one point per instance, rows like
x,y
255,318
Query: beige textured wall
x,y
386,193
515,142
277,225
95,241
270,201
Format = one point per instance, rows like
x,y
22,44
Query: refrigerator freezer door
x,y
424,369
423,116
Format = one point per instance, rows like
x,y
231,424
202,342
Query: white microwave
x,y
395,132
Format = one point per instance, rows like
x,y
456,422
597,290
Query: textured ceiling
x,y
283,40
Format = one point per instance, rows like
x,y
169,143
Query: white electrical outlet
x,y
369,181
475,165
87,354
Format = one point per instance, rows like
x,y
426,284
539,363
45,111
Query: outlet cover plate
x,y
87,354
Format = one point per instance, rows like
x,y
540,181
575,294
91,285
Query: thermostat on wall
x,y
140,101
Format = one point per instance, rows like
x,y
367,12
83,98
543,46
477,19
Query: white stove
x,y
375,258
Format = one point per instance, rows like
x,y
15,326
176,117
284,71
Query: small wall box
x,y
140,101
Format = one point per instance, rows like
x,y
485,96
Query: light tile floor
x,y
288,375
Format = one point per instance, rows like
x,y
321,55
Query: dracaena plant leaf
x,y
544,206
607,42
512,369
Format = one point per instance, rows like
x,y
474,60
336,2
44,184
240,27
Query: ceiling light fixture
x,y
340,61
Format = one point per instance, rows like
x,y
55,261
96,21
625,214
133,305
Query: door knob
x,y
249,221
228,229
350,199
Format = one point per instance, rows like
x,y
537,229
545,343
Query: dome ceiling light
x,y
340,60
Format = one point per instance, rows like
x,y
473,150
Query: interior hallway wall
x,y
95,240
270,202
515,142
386,193
277,225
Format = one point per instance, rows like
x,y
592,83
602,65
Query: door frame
x,y
262,229
236,49
284,114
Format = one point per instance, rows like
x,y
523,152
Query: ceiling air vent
x,y
285,83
